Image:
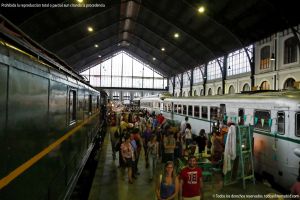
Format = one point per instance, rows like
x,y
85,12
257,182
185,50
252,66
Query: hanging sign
x,y
270,122
262,122
255,120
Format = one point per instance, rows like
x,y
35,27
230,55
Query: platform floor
x,y
111,183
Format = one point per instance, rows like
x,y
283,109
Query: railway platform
x,y
110,183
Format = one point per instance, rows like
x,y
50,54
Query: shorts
x,y
128,162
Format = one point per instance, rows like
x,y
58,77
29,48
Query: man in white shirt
x,y
183,125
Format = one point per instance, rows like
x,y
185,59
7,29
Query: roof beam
x,y
157,49
185,30
81,23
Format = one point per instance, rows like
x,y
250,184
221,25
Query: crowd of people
x,y
162,141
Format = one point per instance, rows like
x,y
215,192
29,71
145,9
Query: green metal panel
x,y
3,96
57,108
27,132
3,100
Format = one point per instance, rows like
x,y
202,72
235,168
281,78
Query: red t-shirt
x,y
191,181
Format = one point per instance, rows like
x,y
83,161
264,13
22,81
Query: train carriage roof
x,y
293,95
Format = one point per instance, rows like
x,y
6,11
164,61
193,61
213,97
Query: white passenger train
x,y
152,103
275,117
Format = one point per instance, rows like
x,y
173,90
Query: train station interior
x,y
143,99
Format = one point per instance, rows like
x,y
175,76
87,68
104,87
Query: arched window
x,y
209,92
201,92
195,92
231,90
290,50
183,94
265,58
219,91
246,87
289,83
265,85
175,94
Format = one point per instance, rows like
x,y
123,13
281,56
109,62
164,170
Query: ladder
x,y
245,152
242,166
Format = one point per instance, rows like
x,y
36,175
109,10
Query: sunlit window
x,y
106,68
95,70
265,57
265,85
238,62
137,68
165,82
198,75
95,81
148,72
123,70
127,82
127,65
116,81
117,66
158,83
290,50
105,81
137,82
148,83
213,70
186,78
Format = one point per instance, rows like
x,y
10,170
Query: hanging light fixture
x,y
229,67
272,56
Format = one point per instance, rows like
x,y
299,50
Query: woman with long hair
x,y
168,183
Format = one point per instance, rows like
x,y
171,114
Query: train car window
x,y
281,122
204,111
190,110
175,108
169,108
184,109
222,111
261,119
297,124
90,103
179,109
166,107
214,113
196,111
241,116
72,106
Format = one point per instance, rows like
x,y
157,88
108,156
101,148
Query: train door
x,y
241,115
286,144
263,142
90,104
223,112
